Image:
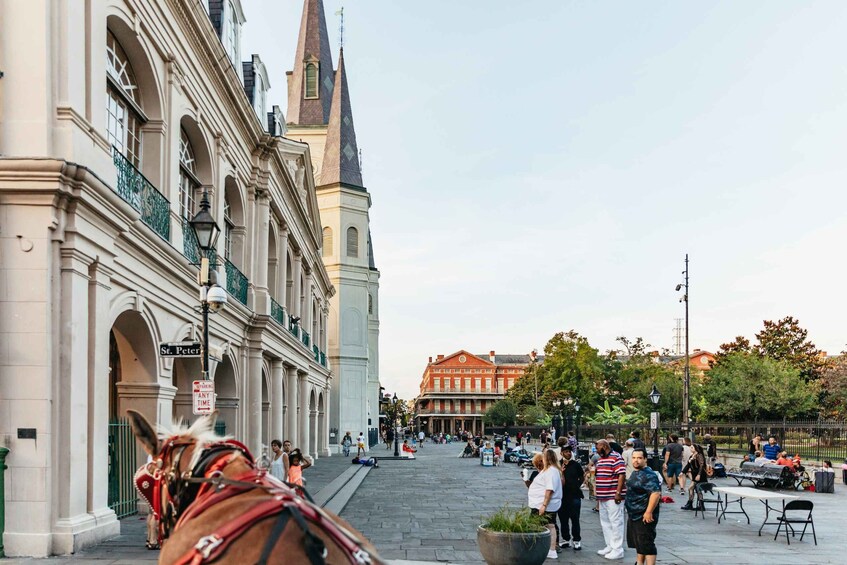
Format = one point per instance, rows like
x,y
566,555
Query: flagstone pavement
x,y
428,510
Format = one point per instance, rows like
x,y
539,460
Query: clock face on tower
x,y
462,358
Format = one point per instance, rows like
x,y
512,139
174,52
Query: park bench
x,y
767,476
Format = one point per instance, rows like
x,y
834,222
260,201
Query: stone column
x,y
277,375
261,304
327,448
98,391
292,393
253,437
303,428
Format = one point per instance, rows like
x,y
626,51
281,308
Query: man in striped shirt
x,y
610,476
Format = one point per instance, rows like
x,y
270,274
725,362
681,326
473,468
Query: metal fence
x,y
122,495
812,439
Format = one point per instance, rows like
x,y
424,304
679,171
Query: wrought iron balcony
x,y
323,358
317,353
139,193
277,312
293,327
236,282
305,338
191,249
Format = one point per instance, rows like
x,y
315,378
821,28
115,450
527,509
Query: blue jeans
x,y
569,512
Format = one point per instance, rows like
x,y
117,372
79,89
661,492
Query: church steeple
x,y
311,83
341,154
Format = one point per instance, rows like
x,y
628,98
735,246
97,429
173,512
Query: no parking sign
x,y
204,397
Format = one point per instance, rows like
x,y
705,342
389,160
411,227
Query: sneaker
x,y
615,555
552,554
564,544
604,551
577,546
682,491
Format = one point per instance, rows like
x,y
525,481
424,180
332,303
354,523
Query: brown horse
x,y
214,505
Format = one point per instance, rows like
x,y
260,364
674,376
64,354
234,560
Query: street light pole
x,y
396,432
206,233
686,384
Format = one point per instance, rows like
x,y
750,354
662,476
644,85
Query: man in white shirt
x,y
628,448
421,438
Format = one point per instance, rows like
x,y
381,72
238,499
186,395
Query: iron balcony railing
x,y
293,327
305,338
191,249
236,282
317,353
323,358
139,193
277,312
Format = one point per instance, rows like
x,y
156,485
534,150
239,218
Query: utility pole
x,y
686,388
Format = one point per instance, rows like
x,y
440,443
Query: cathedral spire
x,y
311,82
341,154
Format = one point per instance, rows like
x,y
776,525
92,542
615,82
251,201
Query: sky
x,y
542,166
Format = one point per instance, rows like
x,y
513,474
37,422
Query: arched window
x,y
123,106
311,80
352,242
231,34
188,183
229,225
326,250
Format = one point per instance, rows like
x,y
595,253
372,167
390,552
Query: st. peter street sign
x,y
180,349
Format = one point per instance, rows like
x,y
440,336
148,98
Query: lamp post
x,y
557,404
576,408
655,395
686,384
396,426
206,232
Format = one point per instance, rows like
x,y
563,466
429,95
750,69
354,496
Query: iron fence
x,y
277,312
122,495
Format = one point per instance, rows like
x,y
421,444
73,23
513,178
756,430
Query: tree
x,y
607,414
534,415
740,343
834,387
669,384
786,341
502,413
745,386
522,393
572,368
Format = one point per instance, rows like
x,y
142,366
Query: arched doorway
x,y
133,383
266,412
322,446
313,424
227,400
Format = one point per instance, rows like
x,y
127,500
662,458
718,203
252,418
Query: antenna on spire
x,y
340,13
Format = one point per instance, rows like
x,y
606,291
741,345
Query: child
x,y
296,464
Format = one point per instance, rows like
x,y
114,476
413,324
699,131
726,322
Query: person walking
x,y
421,438
528,438
697,468
573,476
610,476
573,443
544,496
360,444
628,448
637,443
346,442
643,491
672,466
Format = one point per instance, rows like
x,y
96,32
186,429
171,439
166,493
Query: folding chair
x,y
701,490
796,506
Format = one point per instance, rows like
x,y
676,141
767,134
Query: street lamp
x,y
655,395
576,408
396,426
557,404
212,296
686,384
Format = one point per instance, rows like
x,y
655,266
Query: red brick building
x,y
457,389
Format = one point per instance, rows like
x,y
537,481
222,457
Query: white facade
x,y
95,271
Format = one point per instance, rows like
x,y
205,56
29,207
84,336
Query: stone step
x,y
325,494
340,499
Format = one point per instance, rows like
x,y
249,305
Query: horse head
x,y
177,468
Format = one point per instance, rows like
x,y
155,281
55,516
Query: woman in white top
x,y
277,461
545,493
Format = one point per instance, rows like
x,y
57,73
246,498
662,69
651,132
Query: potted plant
x,y
514,537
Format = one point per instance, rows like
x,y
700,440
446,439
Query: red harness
x,y
215,488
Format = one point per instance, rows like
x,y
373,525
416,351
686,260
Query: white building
x,y
320,114
115,116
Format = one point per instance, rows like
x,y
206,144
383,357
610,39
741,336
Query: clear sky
x,y
542,166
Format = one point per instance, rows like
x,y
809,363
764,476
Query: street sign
x,y
204,397
654,420
180,349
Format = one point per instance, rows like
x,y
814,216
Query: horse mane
x,y
202,431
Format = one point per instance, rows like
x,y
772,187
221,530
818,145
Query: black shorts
x,y
551,516
642,536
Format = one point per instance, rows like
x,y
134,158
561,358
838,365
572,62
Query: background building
x,y
456,390
320,114
115,119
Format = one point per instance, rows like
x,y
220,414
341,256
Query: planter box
x,y
504,548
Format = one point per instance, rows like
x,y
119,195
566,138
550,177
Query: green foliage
x,y
669,383
534,415
522,393
745,386
615,415
519,521
501,413
572,368
834,387
786,341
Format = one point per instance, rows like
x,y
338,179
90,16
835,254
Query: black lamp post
x,y
576,408
396,433
655,395
686,383
206,232
557,420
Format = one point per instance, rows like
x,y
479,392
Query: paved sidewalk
x,y
428,510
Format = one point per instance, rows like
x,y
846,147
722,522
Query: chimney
x,y
491,356
439,358
696,351
430,359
